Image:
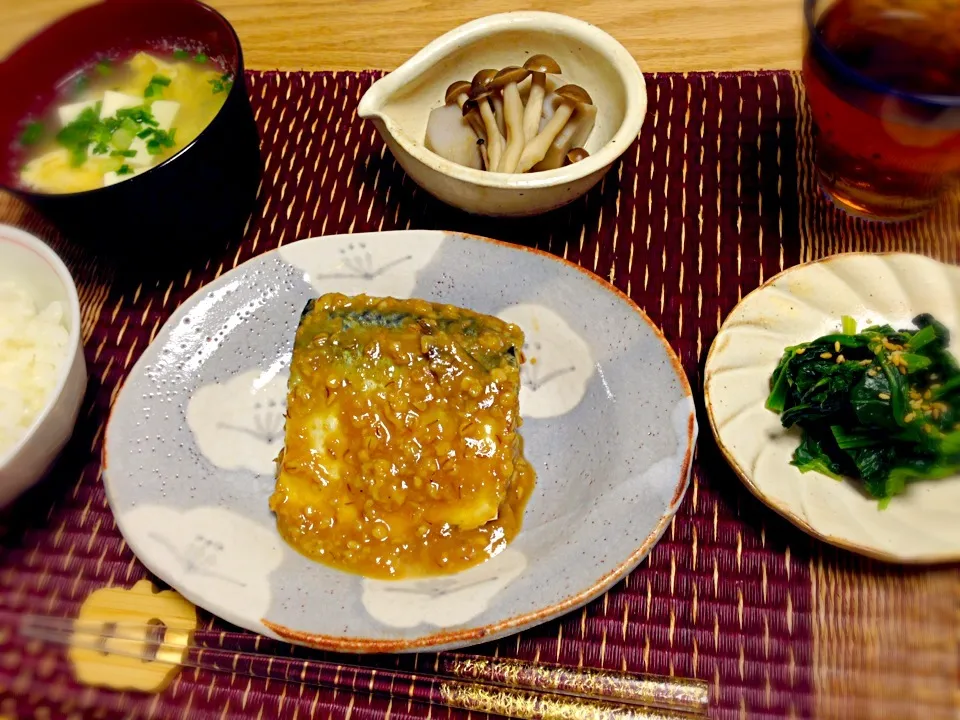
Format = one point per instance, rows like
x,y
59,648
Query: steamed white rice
x,y
33,346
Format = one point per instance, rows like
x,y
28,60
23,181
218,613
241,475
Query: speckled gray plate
x,y
608,421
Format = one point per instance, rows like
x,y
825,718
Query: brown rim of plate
x,y
745,477
514,624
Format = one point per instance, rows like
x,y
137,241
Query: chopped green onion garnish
x,y
77,136
156,85
104,66
111,135
200,58
221,84
139,115
129,125
124,170
31,133
180,54
160,140
78,156
122,138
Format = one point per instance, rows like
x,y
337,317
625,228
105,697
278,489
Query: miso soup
x,y
118,118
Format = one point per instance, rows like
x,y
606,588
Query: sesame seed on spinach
x,y
881,405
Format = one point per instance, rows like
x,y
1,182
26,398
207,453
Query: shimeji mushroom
x,y
576,155
574,134
539,66
480,91
459,92
570,96
507,80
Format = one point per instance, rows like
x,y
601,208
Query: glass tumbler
x,y
883,81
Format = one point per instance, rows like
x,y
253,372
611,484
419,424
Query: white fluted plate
x,y
920,526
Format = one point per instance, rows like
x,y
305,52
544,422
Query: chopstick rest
x,y
127,663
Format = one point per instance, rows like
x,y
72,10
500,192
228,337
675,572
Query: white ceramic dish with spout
x,y
30,263
400,103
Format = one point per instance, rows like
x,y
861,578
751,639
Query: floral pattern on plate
x,y
194,432
442,602
239,423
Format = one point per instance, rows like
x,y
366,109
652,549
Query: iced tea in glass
x,y
883,81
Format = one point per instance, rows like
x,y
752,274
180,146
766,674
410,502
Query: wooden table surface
x,y
359,34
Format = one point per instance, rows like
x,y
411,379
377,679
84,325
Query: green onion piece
x,y
124,153
140,114
78,156
160,140
124,170
200,58
849,325
156,85
180,54
121,139
77,136
104,66
31,133
129,125
144,134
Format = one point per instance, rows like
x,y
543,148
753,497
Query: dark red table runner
x,y
715,197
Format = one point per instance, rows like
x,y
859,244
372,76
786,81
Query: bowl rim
x,y
18,236
239,74
629,71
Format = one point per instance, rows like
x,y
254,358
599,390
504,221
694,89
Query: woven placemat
x,y
715,197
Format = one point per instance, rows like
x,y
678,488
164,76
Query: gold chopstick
x,y
512,688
